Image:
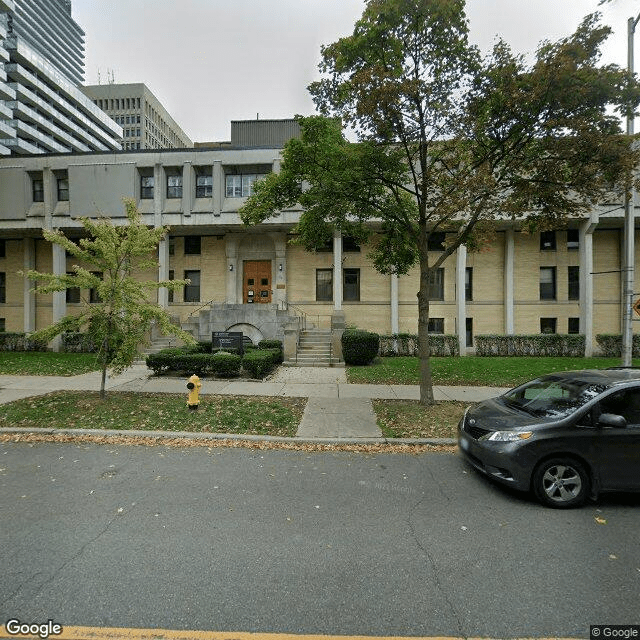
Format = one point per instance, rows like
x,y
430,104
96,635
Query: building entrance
x,y
256,283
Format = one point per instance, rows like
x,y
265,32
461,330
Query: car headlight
x,y
507,436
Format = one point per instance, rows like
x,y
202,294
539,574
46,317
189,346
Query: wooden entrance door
x,y
256,283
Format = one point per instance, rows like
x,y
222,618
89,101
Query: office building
x,y
145,123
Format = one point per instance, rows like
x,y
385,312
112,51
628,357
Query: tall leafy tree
x,y
109,257
449,140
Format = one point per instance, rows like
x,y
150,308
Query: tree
x,y
448,140
121,314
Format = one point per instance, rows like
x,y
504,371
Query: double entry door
x,y
256,281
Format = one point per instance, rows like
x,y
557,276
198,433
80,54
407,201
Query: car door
x,y
619,447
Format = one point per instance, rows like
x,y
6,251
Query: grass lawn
x,y
156,412
36,363
473,371
407,419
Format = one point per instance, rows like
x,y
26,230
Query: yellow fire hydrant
x,y
194,385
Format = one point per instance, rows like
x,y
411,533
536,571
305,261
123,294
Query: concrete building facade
x,y
145,123
42,110
257,280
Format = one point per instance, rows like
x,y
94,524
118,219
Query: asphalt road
x,y
296,542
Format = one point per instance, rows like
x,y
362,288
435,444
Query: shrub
x,y
225,364
270,344
20,342
259,362
77,342
542,345
359,347
406,344
611,345
222,363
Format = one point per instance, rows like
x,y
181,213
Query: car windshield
x,y
552,397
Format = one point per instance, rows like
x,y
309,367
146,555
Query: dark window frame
x,y
468,284
551,325
324,290
351,291
147,187
192,245
37,189
174,186
573,282
436,284
191,291
436,240
3,287
204,186
548,290
548,241
435,326
62,185
573,326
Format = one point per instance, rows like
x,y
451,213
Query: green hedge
x,y
77,342
359,347
611,345
20,342
257,363
541,345
222,363
406,344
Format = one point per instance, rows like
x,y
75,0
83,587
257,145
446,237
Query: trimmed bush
x,y
359,347
270,344
20,342
257,363
406,344
224,364
611,345
541,345
77,342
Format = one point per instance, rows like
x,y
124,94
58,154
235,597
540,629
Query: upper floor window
x,y
3,286
547,241
204,186
3,248
63,189
351,284
174,186
547,283
349,244
192,245
468,283
436,284
436,241
241,185
37,188
147,184
573,239
574,283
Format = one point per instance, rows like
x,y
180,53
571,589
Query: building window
x,y
350,245
3,248
468,283
192,245
436,284
73,293
94,296
204,186
192,290
172,276
469,331
241,185
574,325
3,287
548,325
435,325
573,240
574,283
3,324
351,285
436,240
547,283
147,184
174,186
324,285
63,189
548,241
37,189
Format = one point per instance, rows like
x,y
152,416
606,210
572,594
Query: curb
x,y
191,435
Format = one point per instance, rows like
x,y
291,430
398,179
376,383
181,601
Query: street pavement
x,y
336,409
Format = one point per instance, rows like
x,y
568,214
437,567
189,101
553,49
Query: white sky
x,y
213,61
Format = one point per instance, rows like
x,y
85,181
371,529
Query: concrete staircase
x,y
314,350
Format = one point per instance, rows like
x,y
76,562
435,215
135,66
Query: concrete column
x,y
337,271
49,186
188,189
586,283
59,297
395,324
159,194
231,265
218,187
461,307
509,255
29,298
163,271
280,269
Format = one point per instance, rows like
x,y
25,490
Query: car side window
x,y
625,403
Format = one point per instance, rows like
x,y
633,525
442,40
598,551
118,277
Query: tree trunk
x,y
103,381
424,352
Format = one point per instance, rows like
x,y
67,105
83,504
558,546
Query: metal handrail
x,y
200,308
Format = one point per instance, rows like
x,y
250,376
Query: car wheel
x,y
561,483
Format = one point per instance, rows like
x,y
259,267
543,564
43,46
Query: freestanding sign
x,y
227,340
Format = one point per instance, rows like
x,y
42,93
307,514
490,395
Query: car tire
x,y
561,483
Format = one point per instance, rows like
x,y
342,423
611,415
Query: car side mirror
x,y
612,420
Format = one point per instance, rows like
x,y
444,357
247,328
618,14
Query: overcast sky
x,y
213,61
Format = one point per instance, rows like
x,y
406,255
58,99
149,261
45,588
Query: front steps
x,y
314,350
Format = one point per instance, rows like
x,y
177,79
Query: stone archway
x,y
248,330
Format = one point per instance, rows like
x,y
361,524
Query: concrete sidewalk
x,y
336,409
